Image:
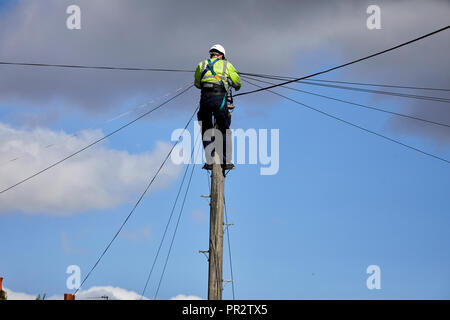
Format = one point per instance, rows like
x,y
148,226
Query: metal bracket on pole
x,y
226,281
207,197
205,253
226,225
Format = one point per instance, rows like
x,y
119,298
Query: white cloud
x,y
95,293
12,295
97,178
185,297
113,293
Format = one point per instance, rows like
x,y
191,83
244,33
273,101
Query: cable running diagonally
x,y
285,78
100,124
94,143
176,226
27,64
135,206
229,247
168,221
346,64
390,93
356,104
355,125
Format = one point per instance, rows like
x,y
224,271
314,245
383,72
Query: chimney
x,y
1,279
69,296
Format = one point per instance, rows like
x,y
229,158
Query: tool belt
x,y
213,89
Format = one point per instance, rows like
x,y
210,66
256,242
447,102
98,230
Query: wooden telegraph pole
x,y
216,230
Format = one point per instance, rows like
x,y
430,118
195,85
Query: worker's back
x,y
222,68
214,76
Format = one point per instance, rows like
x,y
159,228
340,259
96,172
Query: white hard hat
x,y
219,48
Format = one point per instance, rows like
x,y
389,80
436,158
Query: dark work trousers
x,y
209,107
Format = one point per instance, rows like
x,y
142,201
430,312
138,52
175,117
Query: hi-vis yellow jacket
x,y
223,68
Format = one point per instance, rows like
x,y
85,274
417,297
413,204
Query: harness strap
x,y
206,68
210,67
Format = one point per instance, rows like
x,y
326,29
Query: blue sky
x,y
342,200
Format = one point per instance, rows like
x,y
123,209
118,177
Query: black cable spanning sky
x,y
346,64
170,218
267,76
135,205
290,79
28,64
353,124
285,80
357,104
94,143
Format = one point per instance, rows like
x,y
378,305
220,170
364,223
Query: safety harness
x,y
210,67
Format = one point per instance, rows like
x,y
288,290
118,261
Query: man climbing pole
x,y
214,77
